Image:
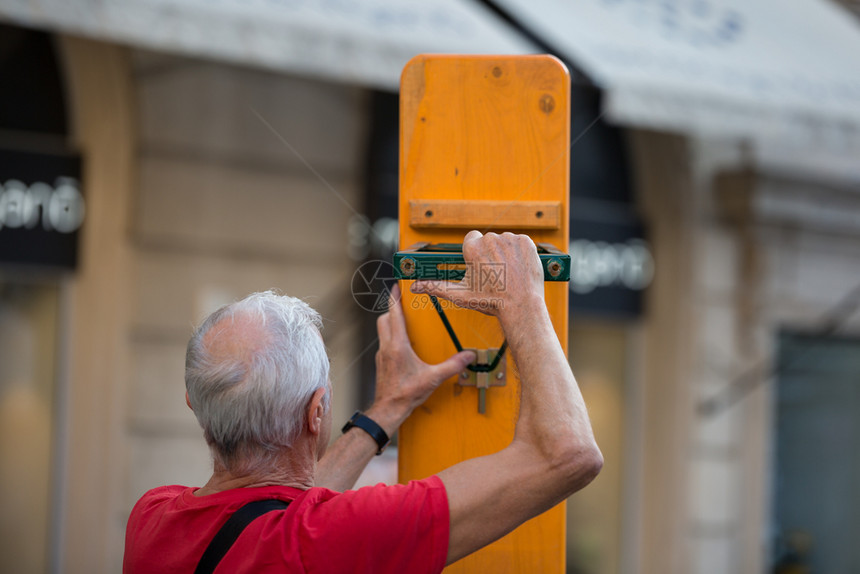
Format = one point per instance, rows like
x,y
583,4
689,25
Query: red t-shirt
x,y
378,529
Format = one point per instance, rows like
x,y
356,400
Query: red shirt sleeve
x,y
379,529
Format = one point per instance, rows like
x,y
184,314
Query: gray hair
x,y
251,398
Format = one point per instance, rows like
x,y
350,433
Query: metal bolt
x,y
497,71
407,266
554,267
500,375
464,375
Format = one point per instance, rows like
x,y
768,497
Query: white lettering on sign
x,y
599,264
59,208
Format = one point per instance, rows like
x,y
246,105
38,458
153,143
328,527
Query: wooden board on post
x,y
481,138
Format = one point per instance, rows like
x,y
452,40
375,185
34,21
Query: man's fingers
x,y
383,329
395,308
442,288
437,288
469,242
472,235
394,295
453,365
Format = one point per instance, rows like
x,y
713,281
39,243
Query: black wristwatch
x,y
369,426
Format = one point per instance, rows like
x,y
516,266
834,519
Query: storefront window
x,y
28,334
598,357
816,511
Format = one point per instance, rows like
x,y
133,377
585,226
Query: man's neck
x,y
284,471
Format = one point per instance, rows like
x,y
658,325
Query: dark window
x,y
32,95
816,510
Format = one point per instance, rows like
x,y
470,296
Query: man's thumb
x,y
454,365
437,288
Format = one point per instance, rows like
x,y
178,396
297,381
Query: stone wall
x,y
772,253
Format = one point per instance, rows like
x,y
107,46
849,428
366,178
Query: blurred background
x,y
159,158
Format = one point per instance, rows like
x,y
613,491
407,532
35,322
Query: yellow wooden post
x,y
484,144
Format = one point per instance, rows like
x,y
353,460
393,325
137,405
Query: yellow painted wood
x,y
484,214
488,128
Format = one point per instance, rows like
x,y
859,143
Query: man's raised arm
x,y
553,453
403,382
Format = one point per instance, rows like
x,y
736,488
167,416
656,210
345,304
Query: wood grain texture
x,y
481,128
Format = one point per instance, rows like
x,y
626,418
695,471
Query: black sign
x,y
610,261
41,209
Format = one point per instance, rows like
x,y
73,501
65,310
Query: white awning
x,y
761,69
365,42
765,70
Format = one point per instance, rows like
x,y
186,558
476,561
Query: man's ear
x,y
316,410
188,401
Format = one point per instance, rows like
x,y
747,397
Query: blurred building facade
x,y
205,179
192,202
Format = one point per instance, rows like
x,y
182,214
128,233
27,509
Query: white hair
x,y
251,398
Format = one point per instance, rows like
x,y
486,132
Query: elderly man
x,y
257,380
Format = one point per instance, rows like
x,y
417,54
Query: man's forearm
x,y
553,417
348,456
345,460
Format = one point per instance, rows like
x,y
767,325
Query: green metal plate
x,y
444,261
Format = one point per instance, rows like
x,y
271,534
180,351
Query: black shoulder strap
x,y
231,530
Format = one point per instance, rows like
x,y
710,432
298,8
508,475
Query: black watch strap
x,y
369,426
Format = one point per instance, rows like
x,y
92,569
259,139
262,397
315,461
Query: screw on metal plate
x,y
553,267
484,379
407,266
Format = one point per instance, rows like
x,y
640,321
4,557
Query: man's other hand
x,y
403,380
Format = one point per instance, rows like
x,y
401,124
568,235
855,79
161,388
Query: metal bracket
x,y
483,380
444,261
